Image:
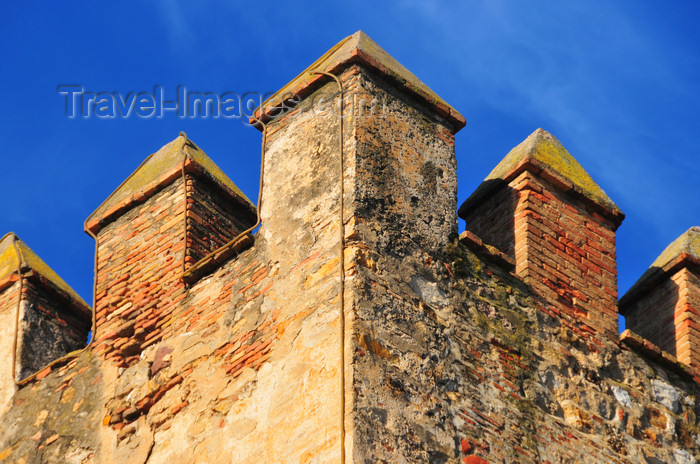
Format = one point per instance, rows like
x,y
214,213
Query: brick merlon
x,y
34,266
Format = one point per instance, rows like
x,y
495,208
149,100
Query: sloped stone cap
x,y
542,153
357,48
683,251
9,266
157,171
687,246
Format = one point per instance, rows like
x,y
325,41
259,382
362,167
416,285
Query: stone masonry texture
x,y
432,353
47,328
563,244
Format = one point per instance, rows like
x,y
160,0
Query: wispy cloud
x,y
174,19
598,76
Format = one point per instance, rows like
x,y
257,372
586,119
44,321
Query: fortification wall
x,y
47,328
464,366
138,283
356,326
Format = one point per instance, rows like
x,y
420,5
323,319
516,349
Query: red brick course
x,y
562,247
667,315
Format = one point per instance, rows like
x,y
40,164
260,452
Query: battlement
x,y
541,208
357,50
176,209
41,317
173,161
355,325
663,306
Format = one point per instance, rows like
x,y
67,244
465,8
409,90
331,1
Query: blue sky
x,y
617,82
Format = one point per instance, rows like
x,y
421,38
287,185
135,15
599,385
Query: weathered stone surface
x,y
666,395
430,354
358,48
545,212
57,419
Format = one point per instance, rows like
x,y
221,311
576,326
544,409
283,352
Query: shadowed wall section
x,y
41,317
663,306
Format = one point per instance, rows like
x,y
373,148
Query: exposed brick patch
x,y
474,460
139,278
657,354
213,219
138,275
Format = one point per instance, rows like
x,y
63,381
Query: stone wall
x,y
411,348
566,251
541,208
41,318
464,365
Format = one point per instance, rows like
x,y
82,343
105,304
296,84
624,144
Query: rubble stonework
x,y
542,208
357,328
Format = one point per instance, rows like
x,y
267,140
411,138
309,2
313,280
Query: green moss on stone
x,y
543,149
360,48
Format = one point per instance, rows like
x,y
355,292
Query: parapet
x,y
41,317
355,320
663,306
541,208
10,259
401,150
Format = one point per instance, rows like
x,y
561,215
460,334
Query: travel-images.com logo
x,y
207,105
